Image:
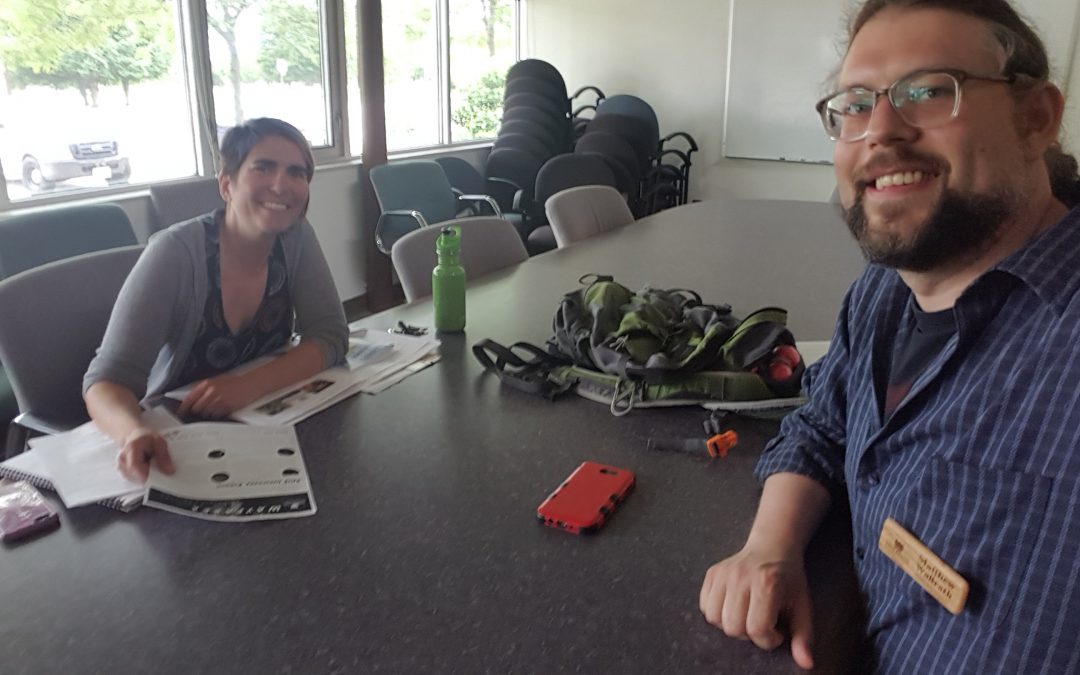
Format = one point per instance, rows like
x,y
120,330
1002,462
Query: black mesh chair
x,y
534,130
537,68
635,131
571,170
620,158
538,102
533,85
510,175
529,144
677,159
558,128
558,174
464,178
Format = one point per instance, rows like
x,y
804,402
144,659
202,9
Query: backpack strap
x,y
535,373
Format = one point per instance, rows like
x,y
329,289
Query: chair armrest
x,y
484,199
393,225
41,425
596,90
683,135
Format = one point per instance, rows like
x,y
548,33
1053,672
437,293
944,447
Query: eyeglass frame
x,y
959,77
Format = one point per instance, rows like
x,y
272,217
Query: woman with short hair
x,y
212,293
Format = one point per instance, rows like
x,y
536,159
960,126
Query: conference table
x,y
425,555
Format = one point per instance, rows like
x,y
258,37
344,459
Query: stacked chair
x,y
537,125
625,132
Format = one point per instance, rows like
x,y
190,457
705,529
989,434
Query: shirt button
x,y
860,552
872,479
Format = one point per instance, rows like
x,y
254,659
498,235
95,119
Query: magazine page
x,y
233,472
375,361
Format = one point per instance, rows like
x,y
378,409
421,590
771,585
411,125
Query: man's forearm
x,y
791,508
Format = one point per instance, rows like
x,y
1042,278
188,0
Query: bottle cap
x,y
449,240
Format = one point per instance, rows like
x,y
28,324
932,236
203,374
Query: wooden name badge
x,y
940,581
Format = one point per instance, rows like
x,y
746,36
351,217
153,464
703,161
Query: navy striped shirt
x,y
981,462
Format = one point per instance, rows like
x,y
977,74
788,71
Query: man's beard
x,y
960,228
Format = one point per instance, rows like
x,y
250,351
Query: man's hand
x,y
748,594
218,396
142,446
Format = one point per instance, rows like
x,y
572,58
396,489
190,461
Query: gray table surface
x,y
425,555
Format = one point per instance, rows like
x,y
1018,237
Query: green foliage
x,y
85,44
414,32
291,33
479,113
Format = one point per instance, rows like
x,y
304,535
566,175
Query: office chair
x,y
464,178
527,84
677,175
533,130
183,200
537,68
63,309
557,129
534,146
487,244
557,174
620,157
414,194
32,239
581,212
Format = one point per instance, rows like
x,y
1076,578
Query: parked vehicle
x,y
45,159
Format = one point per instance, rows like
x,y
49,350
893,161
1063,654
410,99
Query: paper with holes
x,y
232,472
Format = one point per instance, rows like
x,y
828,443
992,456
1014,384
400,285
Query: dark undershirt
x,y
915,348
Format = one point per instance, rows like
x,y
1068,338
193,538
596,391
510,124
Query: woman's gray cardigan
x,y
159,309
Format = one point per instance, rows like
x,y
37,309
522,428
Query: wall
x,y
674,55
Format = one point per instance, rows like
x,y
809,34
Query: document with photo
x,y
376,360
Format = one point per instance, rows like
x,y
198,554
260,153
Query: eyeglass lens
x,y
921,99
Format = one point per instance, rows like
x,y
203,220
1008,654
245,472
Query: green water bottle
x,y
448,282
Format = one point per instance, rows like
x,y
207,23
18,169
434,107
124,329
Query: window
x,y
107,93
482,49
411,73
266,59
445,64
90,90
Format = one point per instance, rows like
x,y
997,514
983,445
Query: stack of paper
x,y
80,465
376,360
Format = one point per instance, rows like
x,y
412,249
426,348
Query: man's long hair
x,y
1025,54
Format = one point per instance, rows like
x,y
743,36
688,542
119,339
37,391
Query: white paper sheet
x,y
233,472
81,463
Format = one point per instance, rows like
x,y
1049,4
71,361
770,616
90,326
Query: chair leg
x,y
17,435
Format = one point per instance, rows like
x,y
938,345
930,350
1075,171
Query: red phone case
x,y
585,500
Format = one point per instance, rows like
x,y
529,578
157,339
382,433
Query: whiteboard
x,y
781,54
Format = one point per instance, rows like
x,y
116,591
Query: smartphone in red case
x,y
587,498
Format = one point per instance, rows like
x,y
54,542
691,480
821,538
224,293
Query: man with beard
x,y
949,399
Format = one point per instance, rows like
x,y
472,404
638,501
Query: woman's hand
x,y
219,396
141,446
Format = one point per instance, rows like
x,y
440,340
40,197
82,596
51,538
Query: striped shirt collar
x,y
1045,265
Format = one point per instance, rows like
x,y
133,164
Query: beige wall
x,y
674,55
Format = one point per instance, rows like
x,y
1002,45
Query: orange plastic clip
x,y
719,444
